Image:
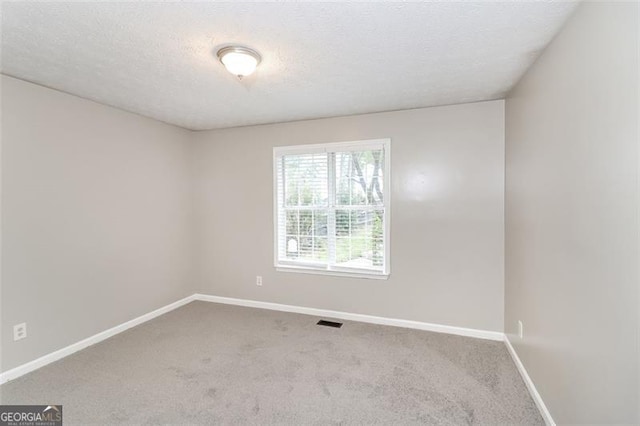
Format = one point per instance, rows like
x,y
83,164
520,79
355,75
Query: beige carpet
x,y
207,363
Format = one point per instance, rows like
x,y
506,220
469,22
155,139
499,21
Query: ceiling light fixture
x,y
238,60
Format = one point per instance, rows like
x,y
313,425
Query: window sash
x,y
330,208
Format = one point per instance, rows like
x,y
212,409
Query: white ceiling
x,y
319,59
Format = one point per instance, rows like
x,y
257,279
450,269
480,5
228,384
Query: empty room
x,y
293,213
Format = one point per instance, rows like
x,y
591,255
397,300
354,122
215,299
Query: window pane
x,y
306,235
359,178
292,223
359,238
305,180
343,223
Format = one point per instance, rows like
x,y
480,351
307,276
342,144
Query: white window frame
x,y
311,268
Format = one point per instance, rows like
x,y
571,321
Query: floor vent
x,y
330,324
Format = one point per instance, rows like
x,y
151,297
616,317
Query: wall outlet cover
x,y
19,331
520,329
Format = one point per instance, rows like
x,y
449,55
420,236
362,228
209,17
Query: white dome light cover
x,y
238,60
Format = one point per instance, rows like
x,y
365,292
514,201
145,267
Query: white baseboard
x,y
61,353
438,328
544,411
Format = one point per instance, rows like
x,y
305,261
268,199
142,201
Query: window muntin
x,y
331,211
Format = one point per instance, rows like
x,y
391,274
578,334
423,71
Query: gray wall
x,y
572,218
96,217
447,174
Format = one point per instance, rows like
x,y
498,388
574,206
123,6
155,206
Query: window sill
x,y
306,270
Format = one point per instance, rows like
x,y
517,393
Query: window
x,y
332,208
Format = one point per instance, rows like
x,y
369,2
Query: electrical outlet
x,y
520,329
258,280
20,331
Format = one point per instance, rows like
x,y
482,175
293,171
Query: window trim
x,y
310,268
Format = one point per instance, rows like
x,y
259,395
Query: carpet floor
x,y
207,363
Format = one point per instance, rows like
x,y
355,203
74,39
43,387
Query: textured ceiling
x,y
319,59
